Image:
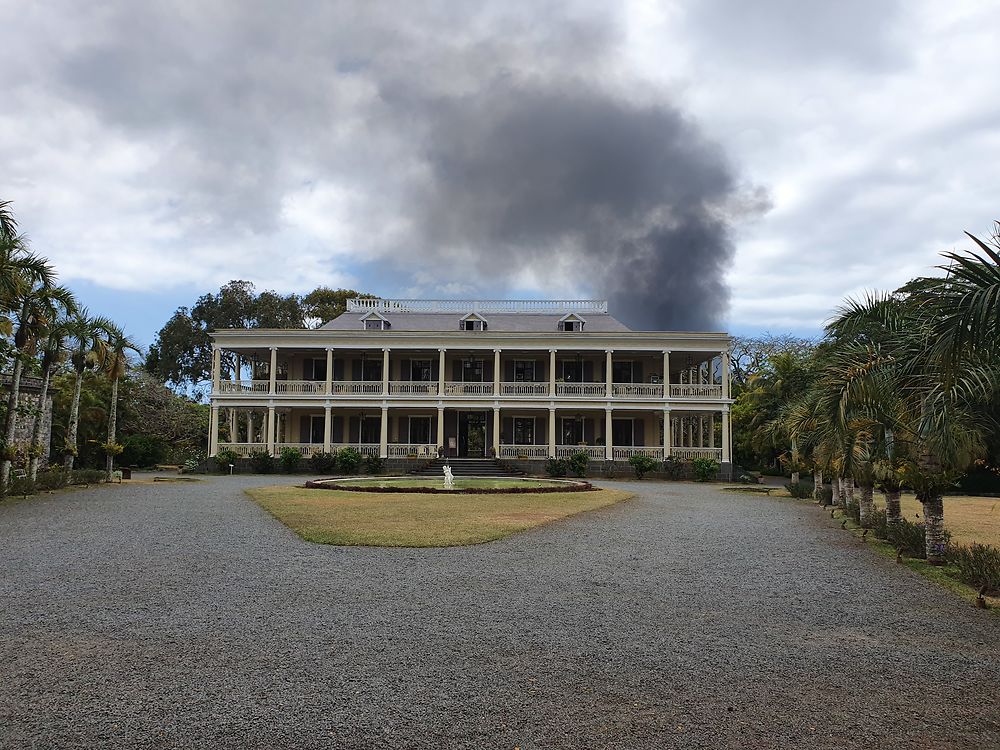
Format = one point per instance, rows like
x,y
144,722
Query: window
x,y
472,371
420,370
572,371
370,429
622,433
524,430
420,431
572,431
474,325
524,371
371,369
314,369
621,372
570,325
317,426
376,324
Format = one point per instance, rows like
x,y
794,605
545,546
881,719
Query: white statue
x,y
449,480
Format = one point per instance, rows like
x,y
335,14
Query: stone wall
x,y
28,406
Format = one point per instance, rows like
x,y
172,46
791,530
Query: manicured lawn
x,y
419,520
460,483
969,519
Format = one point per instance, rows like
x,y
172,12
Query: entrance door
x,y
472,434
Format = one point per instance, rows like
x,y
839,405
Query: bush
x,y
674,467
642,465
705,469
556,467
50,479
22,486
800,490
224,458
323,463
826,496
190,465
262,462
978,565
578,463
348,460
290,458
374,464
87,476
909,537
144,450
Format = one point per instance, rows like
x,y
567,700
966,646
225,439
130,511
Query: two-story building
x,y
520,380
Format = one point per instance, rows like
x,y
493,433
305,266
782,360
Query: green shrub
x,y
556,467
578,463
224,458
800,490
191,464
51,479
374,464
262,462
978,565
348,460
705,469
87,476
290,458
909,537
674,467
853,511
323,463
826,496
19,486
143,450
642,465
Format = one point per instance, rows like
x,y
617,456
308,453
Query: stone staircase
x,y
466,467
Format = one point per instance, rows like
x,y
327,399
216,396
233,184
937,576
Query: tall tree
x,y
52,347
86,351
114,362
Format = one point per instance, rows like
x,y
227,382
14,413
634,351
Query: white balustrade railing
x,y
365,449
625,452
524,389
689,453
413,388
637,390
307,449
595,452
581,389
412,450
356,387
244,386
242,449
452,388
524,451
551,307
695,390
300,386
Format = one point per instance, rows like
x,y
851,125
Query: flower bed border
x,y
570,487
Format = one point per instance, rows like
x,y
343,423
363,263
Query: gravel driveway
x,y
182,615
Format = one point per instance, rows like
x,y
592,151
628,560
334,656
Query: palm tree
x,y
52,348
114,362
86,351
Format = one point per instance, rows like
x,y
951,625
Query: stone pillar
x,y
440,391
273,372
327,427
440,432
609,452
607,372
213,432
271,426
385,374
496,374
552,431
383,434
329,371
552,372
496,431
667,433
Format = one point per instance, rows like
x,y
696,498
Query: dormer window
x,y
571,322
472,322
374,321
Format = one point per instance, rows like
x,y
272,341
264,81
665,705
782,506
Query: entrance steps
x,y
466,467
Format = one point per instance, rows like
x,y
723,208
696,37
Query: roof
x,y
498,322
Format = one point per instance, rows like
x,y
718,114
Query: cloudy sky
x,y
713,164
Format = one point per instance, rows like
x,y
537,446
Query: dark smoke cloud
x,y
503,137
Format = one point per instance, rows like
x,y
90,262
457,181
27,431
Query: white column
x,y
250,427
329,371
552,372
496,432
725,436
273,372
552,433
440,434
725,374
216,368
232,426
666,373
213,432
607,373
701,431
690,433
441,390
711,431
385,374
383,437
496,372
608,447
237,375
327,427
667,436
271,428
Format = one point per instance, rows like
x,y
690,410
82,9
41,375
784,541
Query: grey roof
x,y
495,322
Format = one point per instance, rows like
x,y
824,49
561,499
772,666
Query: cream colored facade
x,y
526,394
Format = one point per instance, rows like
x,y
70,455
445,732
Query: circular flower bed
x,y
462,485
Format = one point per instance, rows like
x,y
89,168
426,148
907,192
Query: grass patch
x,y
419,520
969,519
460,483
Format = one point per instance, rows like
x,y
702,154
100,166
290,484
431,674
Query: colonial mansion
x,y
518,380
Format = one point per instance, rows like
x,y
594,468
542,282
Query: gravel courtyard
x,y
182,615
